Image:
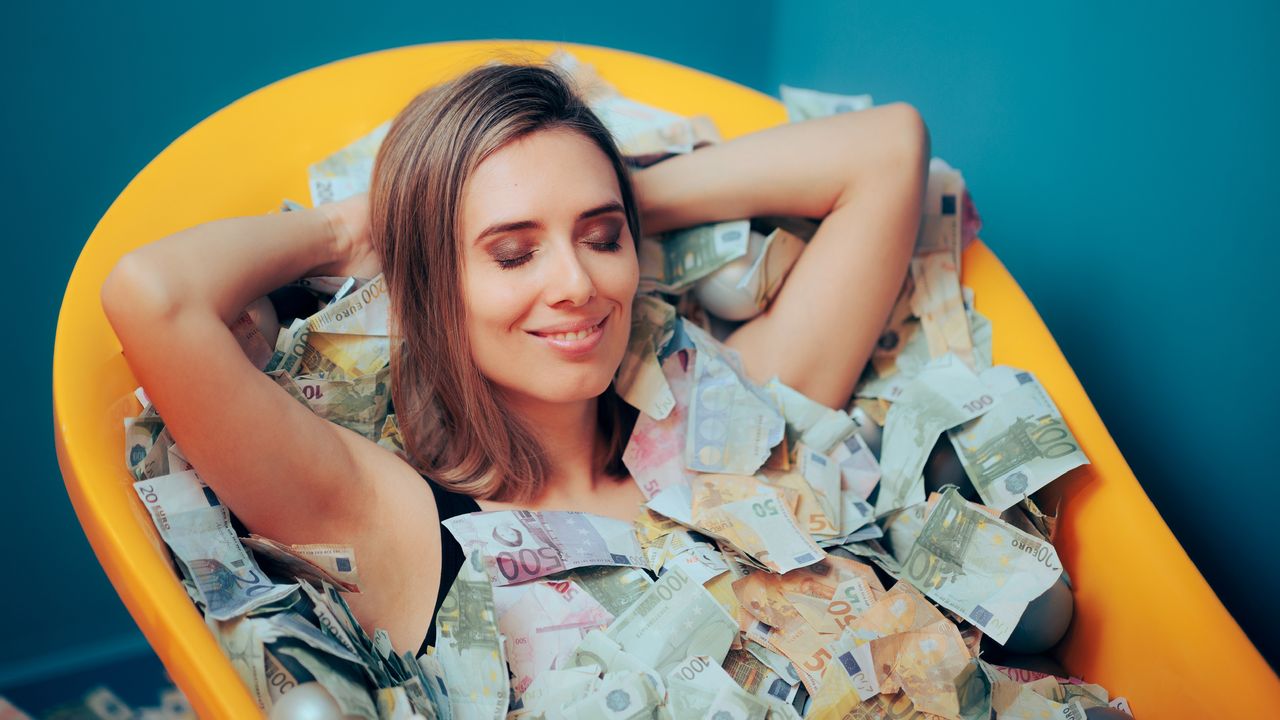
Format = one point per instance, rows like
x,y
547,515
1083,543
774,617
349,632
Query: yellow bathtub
x,y
1147,625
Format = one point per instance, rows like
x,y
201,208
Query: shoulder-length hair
x,y
456,428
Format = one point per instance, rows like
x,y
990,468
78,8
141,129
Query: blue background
x,y
1123,160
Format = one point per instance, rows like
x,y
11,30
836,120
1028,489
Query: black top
x,y
448,504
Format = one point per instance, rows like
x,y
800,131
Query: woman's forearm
x,y
224,264
796,169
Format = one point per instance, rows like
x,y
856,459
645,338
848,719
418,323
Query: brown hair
x,y
456,428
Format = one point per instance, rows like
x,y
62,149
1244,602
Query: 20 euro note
x,y
519,545
978,566
229,582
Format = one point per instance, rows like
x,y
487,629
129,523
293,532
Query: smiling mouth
x,y
570,337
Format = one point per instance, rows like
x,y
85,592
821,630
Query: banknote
x,y
945,394
553,689
1020,445
810,422
937,299
859,475
690,254
615,588
673,619
1012,699
655,452
229,581
978,566
754,517
640,379
348,171
757,678
746,286
318,563
848,679
342,680
238,638
813,516
166,495
470,648
732,424
365,310
824,476
621,695
514,546
805,104
700,687
764,278
542,623
295,355
353,355
359,404
146,441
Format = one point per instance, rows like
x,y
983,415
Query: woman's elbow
x,y
134,288
906,137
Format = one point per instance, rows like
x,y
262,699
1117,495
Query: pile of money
x,y
791,560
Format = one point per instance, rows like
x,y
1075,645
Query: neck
x,y
570,434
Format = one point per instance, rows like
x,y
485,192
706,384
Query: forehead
x,y
548,175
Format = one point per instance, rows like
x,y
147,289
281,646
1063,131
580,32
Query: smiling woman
x,y
506,224
504,215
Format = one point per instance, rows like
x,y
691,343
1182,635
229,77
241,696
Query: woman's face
x,y
546,249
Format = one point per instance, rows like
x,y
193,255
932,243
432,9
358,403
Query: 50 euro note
x,y
515,546
1020,445
978,566
754,517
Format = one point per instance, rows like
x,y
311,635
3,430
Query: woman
x,y
506,223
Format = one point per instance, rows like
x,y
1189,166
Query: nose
x,y
569,280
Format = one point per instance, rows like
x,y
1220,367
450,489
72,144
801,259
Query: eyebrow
x,y
609,207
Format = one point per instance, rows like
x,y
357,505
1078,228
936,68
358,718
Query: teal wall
x,y
1122,163
1125,160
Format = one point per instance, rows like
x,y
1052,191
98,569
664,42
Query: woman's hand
x,y
349,222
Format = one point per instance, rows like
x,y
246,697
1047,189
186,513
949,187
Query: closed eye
x,y
612,245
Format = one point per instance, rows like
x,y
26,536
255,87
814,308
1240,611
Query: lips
x,y
571,330
572,342
571,336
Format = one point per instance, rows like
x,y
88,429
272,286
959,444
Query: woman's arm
x,y
862,174
278,466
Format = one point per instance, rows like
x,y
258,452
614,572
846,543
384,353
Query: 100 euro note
x,y
978,566
469,647
1020,445
945,394
674,618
